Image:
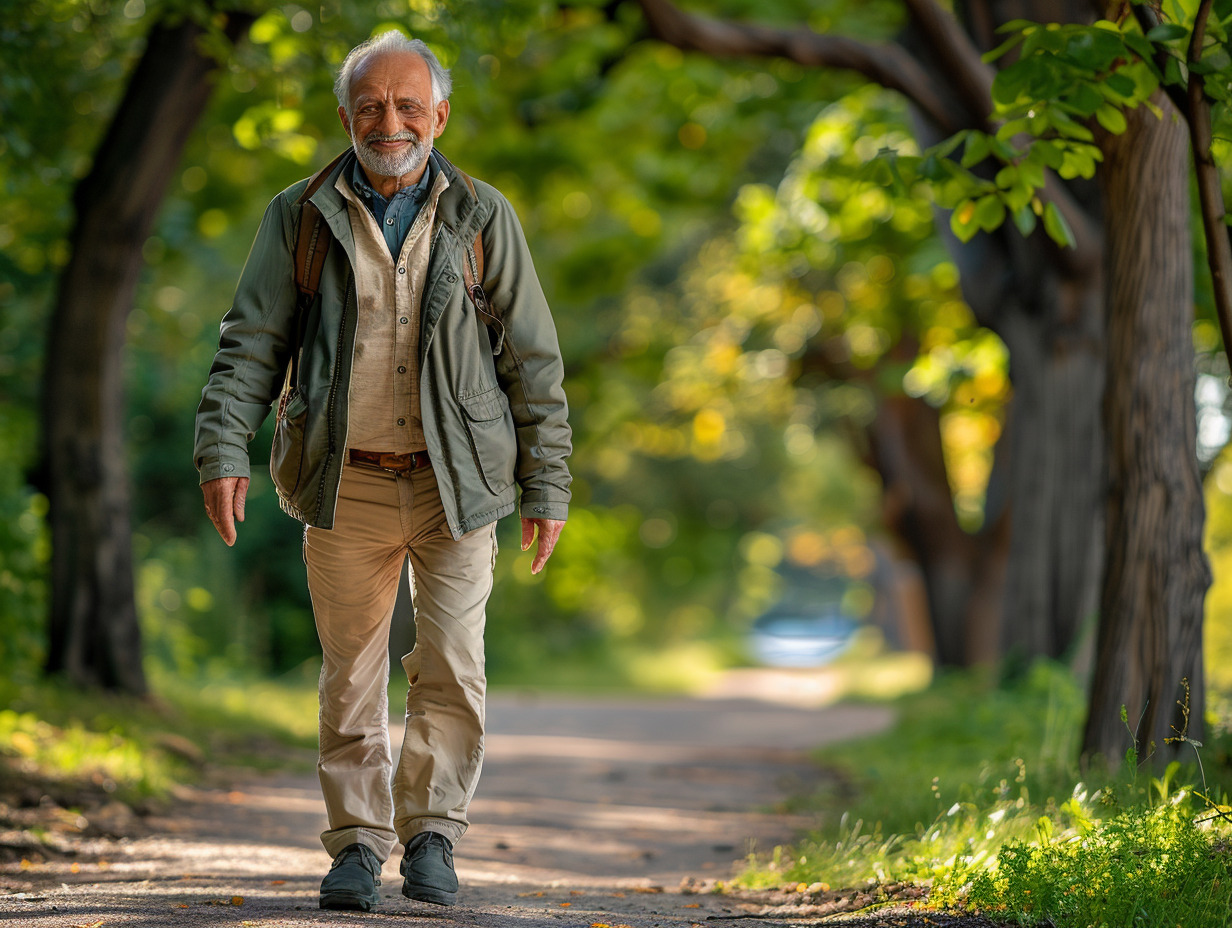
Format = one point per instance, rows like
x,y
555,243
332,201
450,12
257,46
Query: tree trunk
x,y
963,574
94,634
1150,636
1056,443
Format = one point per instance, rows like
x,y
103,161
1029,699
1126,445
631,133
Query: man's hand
x,y
549,531
224,504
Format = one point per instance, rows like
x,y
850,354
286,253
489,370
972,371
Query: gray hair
x,y
392,41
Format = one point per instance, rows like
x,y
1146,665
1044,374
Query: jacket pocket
x,y
489,425
287,447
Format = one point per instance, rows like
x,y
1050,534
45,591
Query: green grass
x,y
78,742
975,794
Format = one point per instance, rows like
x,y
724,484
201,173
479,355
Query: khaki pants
x,y
353,573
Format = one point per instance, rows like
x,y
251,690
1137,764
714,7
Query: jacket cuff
x,y
540,509
214,468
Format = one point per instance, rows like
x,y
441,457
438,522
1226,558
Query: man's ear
x,y
346,123
442,117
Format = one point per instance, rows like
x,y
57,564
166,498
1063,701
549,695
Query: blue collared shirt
x,y
397,214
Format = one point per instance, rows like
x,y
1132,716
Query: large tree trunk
x,y
1156,575
1052,325
94,633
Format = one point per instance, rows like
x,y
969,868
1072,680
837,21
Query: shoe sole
x,y
429,894
352,902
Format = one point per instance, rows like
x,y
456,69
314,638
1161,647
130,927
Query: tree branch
x,y
889,65
1148,19
968,73
1210,193
972,80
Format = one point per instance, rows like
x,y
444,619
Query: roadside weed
x,y
1012,833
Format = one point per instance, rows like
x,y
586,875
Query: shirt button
x,y
451,277
228,468
401,270
389,221
402,422
404,320
401,369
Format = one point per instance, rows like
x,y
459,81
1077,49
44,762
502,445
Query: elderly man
x,y
419,389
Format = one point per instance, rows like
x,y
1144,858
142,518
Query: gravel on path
x,y
591,813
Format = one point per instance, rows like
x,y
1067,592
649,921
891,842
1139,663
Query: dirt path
x,y
590,812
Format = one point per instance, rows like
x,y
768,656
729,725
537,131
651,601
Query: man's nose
x,y
389,124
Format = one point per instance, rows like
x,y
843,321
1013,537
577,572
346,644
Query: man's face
x,y
392,121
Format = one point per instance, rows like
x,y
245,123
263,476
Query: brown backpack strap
x,y
311,248
472,277
317,179
313,238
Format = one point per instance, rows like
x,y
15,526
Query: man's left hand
x,y
549,531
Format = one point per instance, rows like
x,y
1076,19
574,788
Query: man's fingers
x,y
528,533
549,532
241,498
220,503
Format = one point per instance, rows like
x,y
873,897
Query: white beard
x,y
391,164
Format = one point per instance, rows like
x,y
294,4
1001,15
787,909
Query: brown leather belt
x,y
393,463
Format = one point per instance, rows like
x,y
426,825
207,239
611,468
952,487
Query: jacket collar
x,y
461,196
456,208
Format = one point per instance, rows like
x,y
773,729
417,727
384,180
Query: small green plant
x,y
1143,852
1143,866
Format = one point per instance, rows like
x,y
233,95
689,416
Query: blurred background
x,y
739,308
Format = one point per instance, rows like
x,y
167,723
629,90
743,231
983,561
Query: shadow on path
x,y
590,812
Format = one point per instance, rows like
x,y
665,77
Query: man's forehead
x,y
381,72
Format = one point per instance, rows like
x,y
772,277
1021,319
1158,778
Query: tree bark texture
x,y
1156,575
94,633
1051,321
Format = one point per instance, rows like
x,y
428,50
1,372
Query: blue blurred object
x,y
807,627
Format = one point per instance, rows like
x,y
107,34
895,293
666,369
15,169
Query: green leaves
x,y
1057,228
1166,32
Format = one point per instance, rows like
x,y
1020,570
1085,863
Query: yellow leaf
x,y
237,900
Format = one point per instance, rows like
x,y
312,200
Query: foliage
x,y
1004,826
1146,866
85,742
1062,77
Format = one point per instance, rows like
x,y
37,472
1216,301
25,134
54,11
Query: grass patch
x,y
78,743
975,794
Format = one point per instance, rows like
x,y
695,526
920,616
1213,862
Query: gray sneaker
x,y
352,880
427,869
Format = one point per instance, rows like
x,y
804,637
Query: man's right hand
x,y
224,504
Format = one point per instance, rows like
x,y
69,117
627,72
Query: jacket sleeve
x,y
253,350
529,367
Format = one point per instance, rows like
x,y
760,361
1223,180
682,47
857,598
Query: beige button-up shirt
x,y
384,396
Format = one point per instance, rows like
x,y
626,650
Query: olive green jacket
x,y
493,422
